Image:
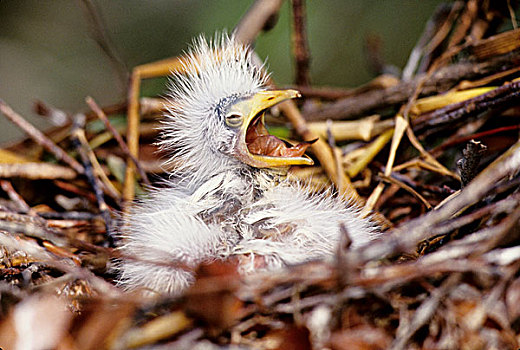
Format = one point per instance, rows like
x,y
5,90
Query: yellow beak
x,y
251,108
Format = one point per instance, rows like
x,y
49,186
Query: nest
x,y
433,155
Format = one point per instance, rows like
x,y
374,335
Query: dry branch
x,y
440,81
39,137
34,171
444,279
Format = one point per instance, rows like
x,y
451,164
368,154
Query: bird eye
x,y
234,120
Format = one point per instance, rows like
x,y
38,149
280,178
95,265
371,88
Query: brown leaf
x,y
212,298
290,338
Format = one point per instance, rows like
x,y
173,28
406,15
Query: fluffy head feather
x,y
217,73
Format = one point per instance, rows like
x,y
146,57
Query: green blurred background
x,y
47,51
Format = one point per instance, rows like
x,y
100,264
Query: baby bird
x,y
228,196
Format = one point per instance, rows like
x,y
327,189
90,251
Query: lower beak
x,y
256,105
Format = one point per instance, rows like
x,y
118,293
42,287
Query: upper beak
x,y
256,104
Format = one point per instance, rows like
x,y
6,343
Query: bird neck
x,y
279,173
268,178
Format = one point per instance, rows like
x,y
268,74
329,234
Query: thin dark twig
x,y
452,142
439,16
101,115
56,116
326,93
424,313
39,137
68,215
300,44
32,226
333,93
14,196
94,182
100,35
422,186
407,188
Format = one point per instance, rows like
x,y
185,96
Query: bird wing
x,y
290,225
164,241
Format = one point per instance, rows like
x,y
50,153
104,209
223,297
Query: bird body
x,y
228,197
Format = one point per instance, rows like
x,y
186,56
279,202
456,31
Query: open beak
x,y
256,146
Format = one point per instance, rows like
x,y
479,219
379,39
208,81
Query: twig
x,y
453,142
101,115
258,17
496,45
56,116
69,215
439,37
41,254
333,93
32,226
69,187
14,196
504,206
336,153
501,97
80,136
442,80
369,153
427,166
400,126
433,23
428,157
39,137
512,14
408,235
363,129
160,328
150,70
100,35
37,171
92,179
423,314
300,44
407,188
421,185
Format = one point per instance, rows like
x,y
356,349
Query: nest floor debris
x,y
445,274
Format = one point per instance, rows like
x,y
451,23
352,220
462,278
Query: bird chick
x,y
227,195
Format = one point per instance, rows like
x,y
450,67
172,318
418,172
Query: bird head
x,y
216,111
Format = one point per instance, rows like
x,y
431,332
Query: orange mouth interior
x,y
260,142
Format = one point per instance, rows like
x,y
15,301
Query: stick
x,y
441,80
408,235
94,182
300,44
37,171
259,16
501,97
39,137
14,196
99,112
